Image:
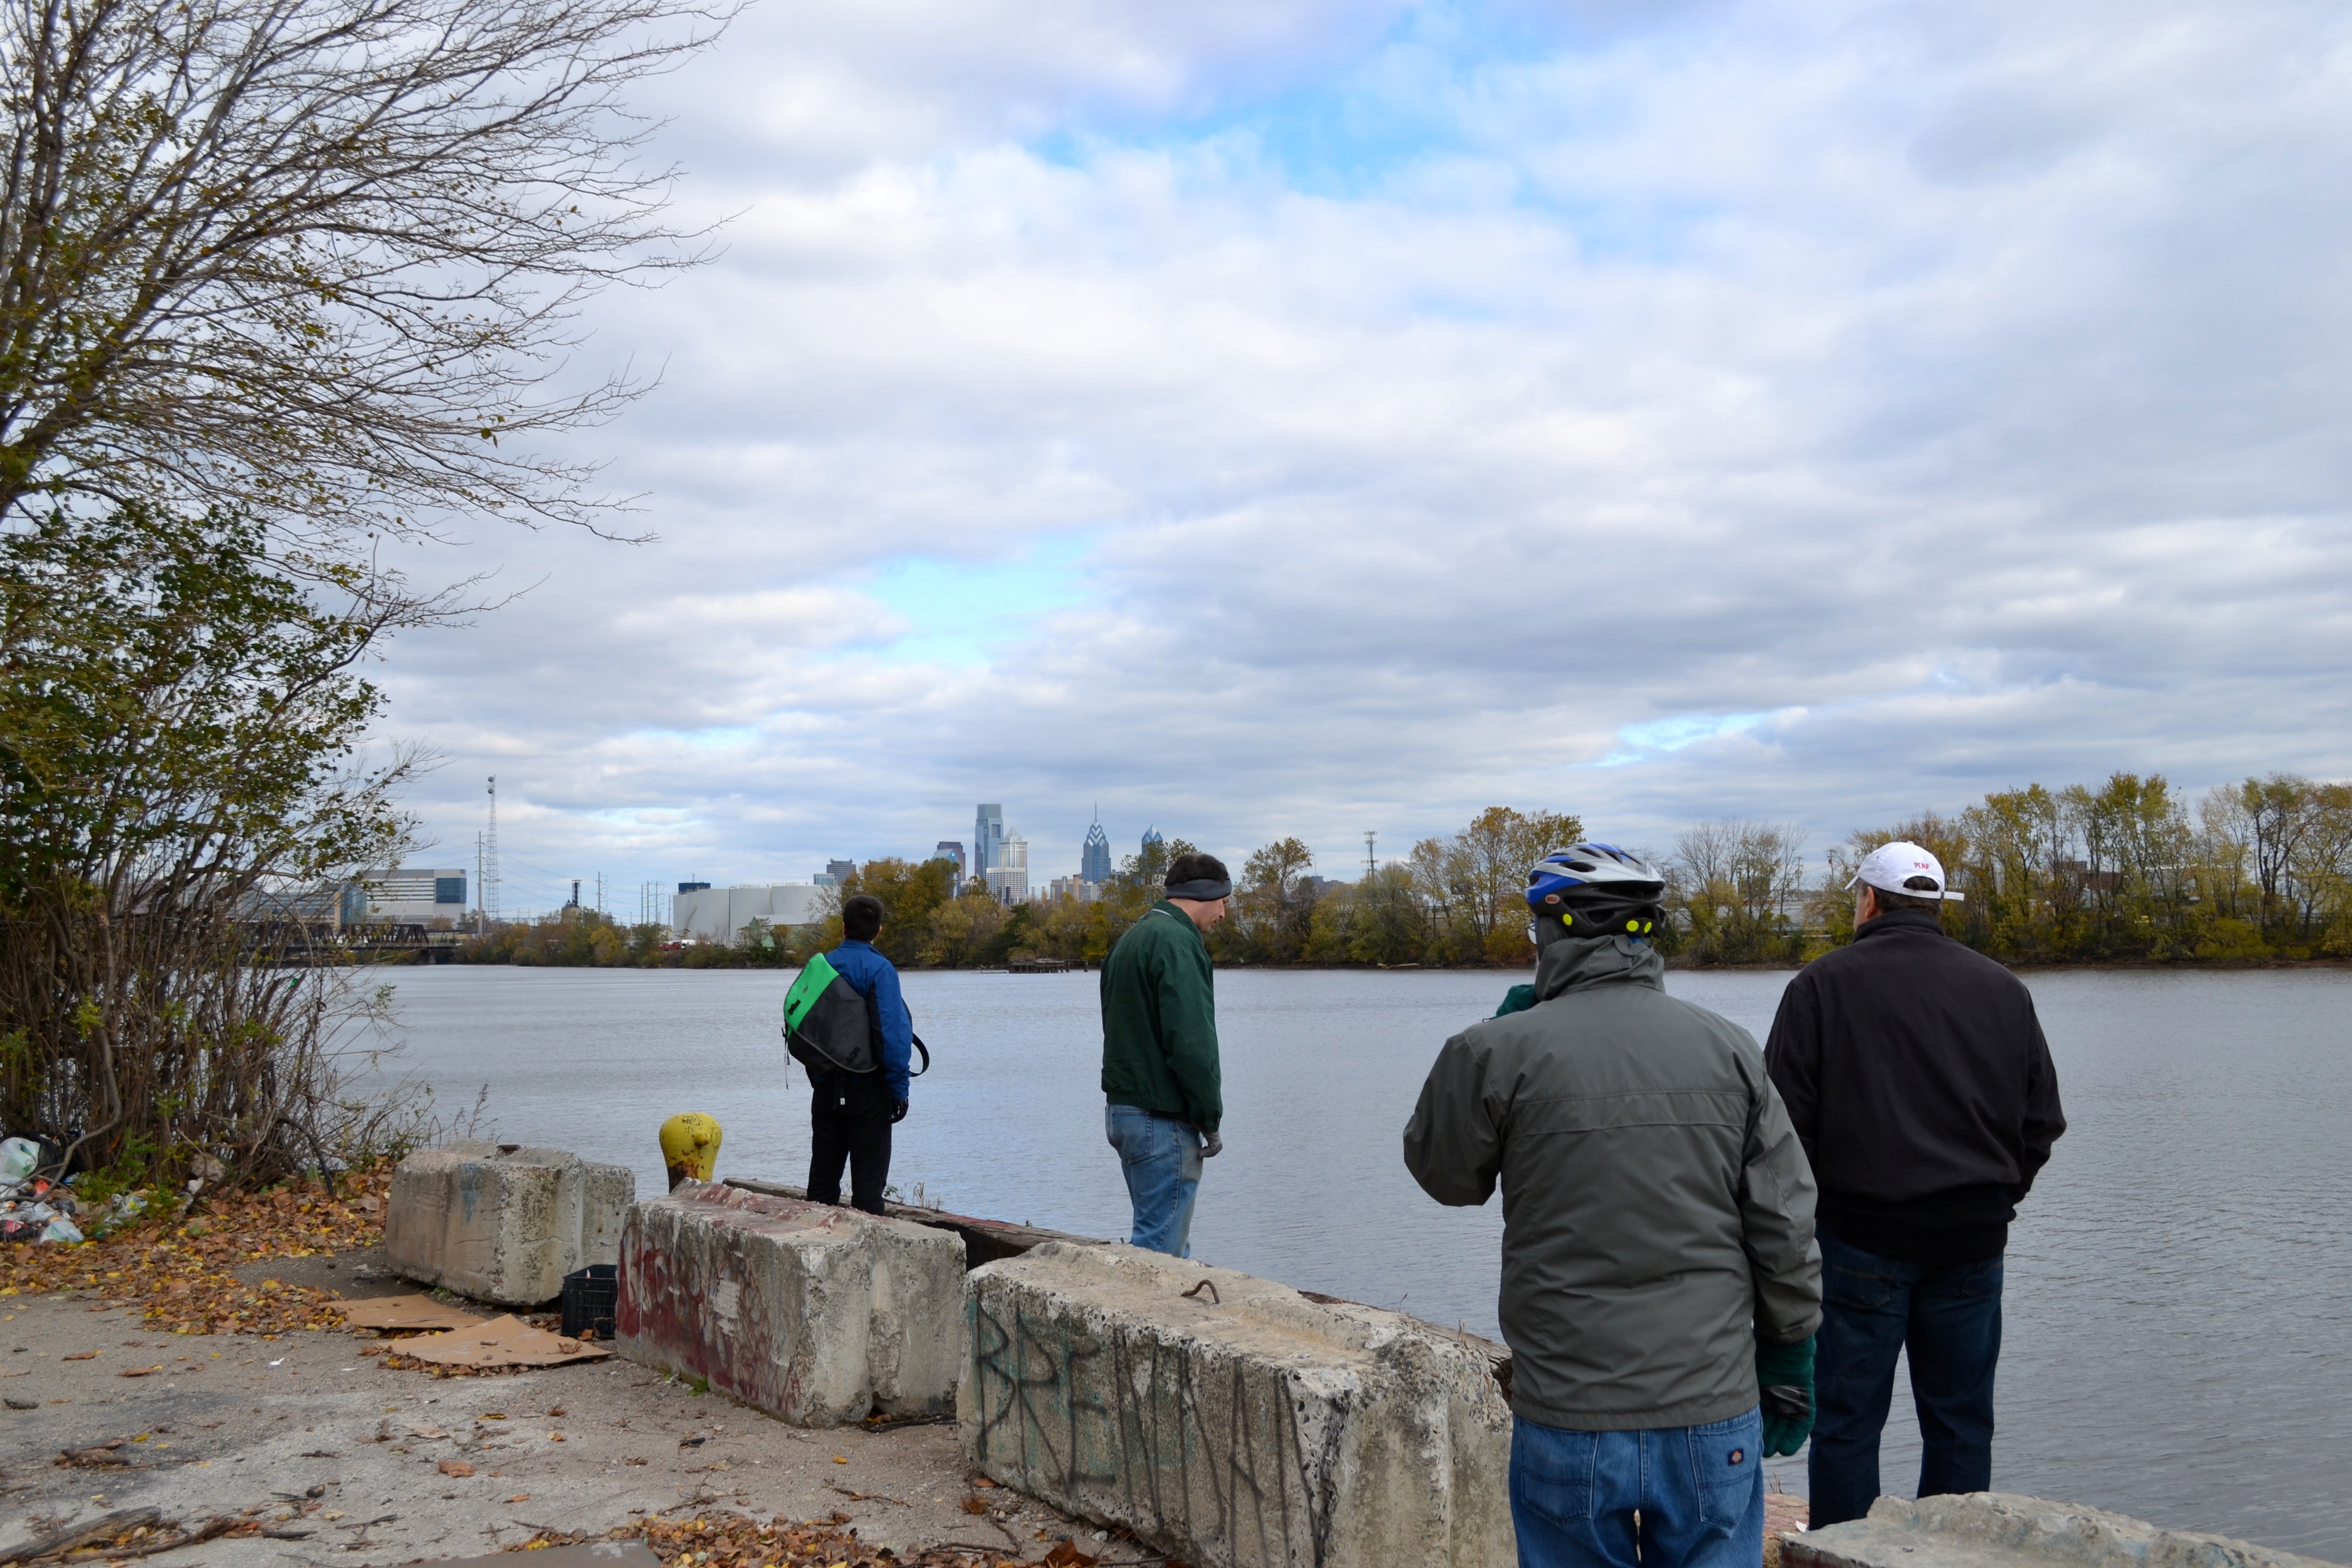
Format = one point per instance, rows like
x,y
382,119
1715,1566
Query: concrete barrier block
x,y
817,1315
501,1222
1240,1426
1997,1529
607,1192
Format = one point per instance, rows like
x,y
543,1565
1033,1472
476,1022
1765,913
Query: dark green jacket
x,y
1657,1207
1160,1020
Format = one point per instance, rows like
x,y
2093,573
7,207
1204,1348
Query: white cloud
x,y
1960,390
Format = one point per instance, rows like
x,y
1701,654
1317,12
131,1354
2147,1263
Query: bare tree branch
x,y
320,260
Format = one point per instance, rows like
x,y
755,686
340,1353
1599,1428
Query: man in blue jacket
x,y
851,1114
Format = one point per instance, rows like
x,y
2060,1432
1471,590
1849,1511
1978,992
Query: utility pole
x,y
490,857
600,892
480,921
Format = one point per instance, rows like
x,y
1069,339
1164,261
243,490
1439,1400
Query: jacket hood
x,y
1579,963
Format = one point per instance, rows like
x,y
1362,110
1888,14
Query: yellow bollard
x,y
689,1146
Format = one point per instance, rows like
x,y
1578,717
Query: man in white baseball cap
x,y
1918,1081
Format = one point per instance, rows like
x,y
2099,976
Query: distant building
x,y
1150,837
987,839
1094,861
1076,887
839,871
952,852
403,896
719,914
692,887
1008,873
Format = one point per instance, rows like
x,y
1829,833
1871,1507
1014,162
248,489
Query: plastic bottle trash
x,y
62,1229
19,1157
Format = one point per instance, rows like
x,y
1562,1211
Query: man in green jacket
x,y
1160,1072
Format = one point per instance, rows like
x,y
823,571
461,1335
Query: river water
x,y
2178,1311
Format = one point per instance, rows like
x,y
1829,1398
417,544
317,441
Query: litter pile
x,y
179,1267
737,1540
466,1344
31,1209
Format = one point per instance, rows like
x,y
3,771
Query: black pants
x,y
849,1122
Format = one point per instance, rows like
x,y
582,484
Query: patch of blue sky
x,y
1429,114
1641,741
1399,105
958,612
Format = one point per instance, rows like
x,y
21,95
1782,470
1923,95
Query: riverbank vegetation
x,y
2126,871
289,288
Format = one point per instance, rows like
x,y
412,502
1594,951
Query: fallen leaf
x,y
1066,1555
332,1516
974,1505
427,1432
555,1436
981,1481
839,1461
83,1355
520,1497
692,1442
455,1468
556,1414
139,1371
491,1415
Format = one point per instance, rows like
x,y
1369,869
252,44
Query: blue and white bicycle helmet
x,y
1594,889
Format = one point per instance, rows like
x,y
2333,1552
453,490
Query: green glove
x,y
1784,1377
1518,999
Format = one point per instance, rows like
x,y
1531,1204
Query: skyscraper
x,y
1008,874
987,838
952,852
1150,837
1094,861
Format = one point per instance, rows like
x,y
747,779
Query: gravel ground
x,y
305,1431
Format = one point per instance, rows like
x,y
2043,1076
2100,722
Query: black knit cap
x,y
1200,877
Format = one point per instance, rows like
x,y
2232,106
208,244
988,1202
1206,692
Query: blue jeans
x,y
1872,1306
1699,1491
1161,1161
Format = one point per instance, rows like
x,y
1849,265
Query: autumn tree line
x,y
2130,870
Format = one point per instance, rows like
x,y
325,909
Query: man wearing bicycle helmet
x,y
1660,1280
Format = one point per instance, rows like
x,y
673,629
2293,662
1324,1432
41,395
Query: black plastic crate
x,y
589,1295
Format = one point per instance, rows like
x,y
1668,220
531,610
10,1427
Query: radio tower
x,y
1372,866
490,857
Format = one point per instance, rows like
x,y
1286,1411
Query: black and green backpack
x,y
829,1028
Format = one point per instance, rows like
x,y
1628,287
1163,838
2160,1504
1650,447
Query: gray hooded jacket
x,y
1657,1207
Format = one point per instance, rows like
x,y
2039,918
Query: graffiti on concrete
x,y
1181,1442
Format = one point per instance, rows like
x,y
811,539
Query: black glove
x,y
1784,1377
899,1111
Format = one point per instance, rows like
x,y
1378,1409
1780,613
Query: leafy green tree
x,y
183,788
912,893
1273,912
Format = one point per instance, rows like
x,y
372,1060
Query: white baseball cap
x,y
1889,865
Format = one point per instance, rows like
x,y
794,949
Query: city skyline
x,y
1663,413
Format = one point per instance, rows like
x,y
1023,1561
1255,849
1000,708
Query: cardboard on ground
x,y
390,1313
501,1341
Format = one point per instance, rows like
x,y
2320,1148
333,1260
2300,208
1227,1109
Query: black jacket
x,y
1916,1075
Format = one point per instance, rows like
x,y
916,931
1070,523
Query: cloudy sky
x,y
1263,418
